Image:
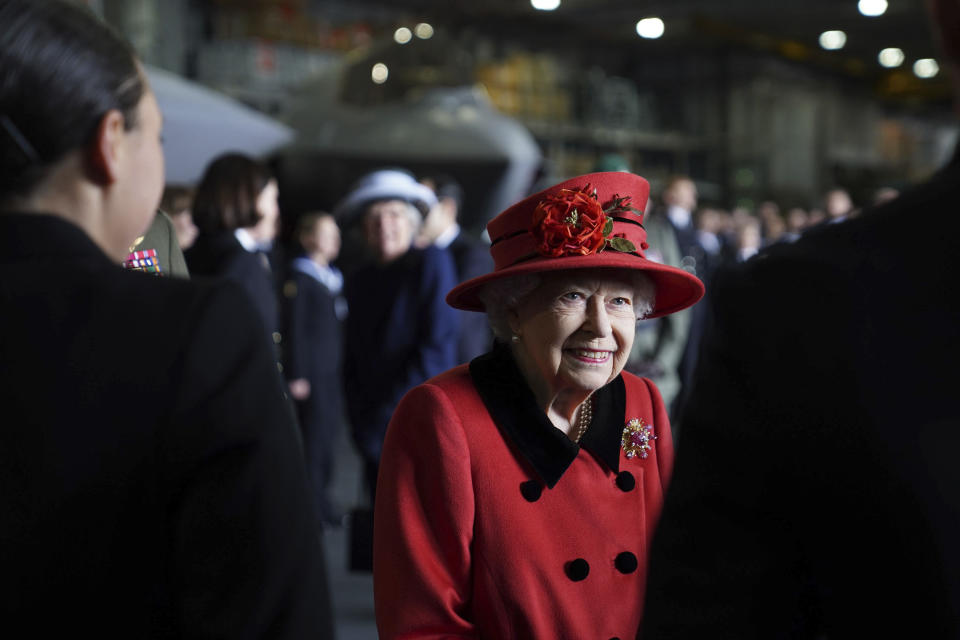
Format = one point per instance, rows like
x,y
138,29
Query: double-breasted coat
x,y
314,312
401,332
491,523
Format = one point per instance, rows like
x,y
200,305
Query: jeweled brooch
x,y
637,439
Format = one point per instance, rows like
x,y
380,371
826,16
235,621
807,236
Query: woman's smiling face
x,y
575,330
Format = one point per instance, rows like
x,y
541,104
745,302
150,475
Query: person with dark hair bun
x,y
151,477
235,208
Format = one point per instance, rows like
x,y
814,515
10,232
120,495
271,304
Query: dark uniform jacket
x,y
221,255
492,523
314,317
817,489
151,478
313,345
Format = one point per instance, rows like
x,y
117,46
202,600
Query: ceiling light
x,y
402,35
891,57
424,31
650,28
833,40
926,68
545,5
379,73
872,8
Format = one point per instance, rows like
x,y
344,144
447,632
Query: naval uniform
x,y
491,523
151,477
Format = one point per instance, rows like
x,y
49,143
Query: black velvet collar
x,y
514,410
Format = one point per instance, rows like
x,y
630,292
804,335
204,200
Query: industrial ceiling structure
x,y
791,29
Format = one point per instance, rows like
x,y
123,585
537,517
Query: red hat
x,y
588,222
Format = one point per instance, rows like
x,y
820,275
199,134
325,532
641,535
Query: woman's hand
x,y
300,389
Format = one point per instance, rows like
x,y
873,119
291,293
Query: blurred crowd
x,y
354,329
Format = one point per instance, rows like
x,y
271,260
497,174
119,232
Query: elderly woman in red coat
x,y
517,495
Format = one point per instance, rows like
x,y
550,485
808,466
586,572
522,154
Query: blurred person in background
x,y
838,205
748,239
157,250
800,509
658,343
471,258
176,203
517,493
767,211
885,194
738,217
400,332
680,199
235,208
679,202
815,217
797,222
708,223
314,312
151,477
712,253
772,224
774,228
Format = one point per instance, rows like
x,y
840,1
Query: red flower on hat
x,y
572,222
569,223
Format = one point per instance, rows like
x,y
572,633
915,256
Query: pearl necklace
x,y
586,417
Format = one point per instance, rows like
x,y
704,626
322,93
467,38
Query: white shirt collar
x,y
709,241
246,240
327,275
679,216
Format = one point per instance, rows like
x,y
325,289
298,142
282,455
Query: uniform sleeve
x,y
423,522
724,559
178,264
296,308
246,559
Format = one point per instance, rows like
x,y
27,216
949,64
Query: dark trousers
x,y
320,419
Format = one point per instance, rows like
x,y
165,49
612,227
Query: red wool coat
x,y
491,523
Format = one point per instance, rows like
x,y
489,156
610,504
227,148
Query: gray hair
x,y
415,215
501,296
410,209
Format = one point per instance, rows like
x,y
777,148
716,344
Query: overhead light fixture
x,y
891,57
651,28
872,8
423,31
402,35
545,5
833,40
379,73
926,68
